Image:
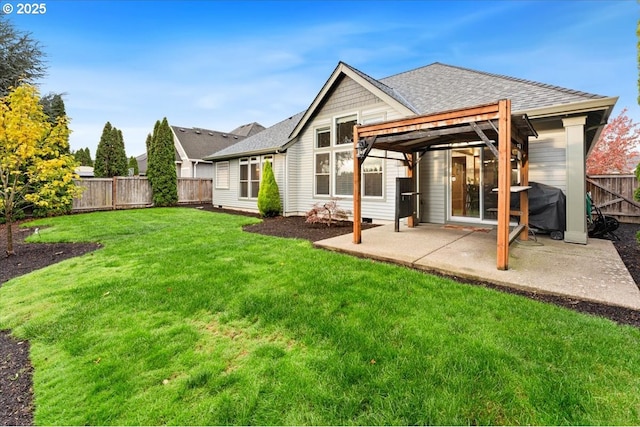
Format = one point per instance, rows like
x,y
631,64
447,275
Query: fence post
x,y
114,192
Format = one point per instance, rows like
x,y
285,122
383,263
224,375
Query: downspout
x,y
285,198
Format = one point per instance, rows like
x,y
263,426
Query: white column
x,y
576,180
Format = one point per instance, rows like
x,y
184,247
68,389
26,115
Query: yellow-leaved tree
x,y
36,168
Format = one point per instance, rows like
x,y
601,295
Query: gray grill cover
x,y
547,207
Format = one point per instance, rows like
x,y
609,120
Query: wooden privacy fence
x,y
135,192
613,194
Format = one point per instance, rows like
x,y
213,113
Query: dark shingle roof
x,y
440,87
269,140
383,87
198,142
427,90
249,129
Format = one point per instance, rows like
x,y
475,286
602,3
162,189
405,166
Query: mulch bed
x,y
16,392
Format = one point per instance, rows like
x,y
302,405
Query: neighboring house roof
x,y
249,129
198,143
430,89
85,171
268,141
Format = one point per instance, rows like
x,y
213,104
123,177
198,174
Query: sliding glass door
x,y
473,176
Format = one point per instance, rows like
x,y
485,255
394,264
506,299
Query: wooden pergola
x,y
491,124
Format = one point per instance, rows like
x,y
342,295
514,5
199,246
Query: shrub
x,y
327,213
269,194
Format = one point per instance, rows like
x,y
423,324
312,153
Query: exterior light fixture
x,y
362,148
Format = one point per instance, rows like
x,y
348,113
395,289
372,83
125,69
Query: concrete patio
x,y
592,272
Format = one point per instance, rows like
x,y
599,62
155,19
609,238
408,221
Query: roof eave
x,y
345,69
605,104
272,150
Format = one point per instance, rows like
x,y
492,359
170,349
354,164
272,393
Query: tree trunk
x,y
9,225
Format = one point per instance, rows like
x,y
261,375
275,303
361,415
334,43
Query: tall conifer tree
x,y
111,159
161,168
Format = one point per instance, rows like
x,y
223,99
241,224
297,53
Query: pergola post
x,y
357,202
524,195
411,221
441,131
504,182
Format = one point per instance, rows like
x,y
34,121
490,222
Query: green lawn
x,y
183,318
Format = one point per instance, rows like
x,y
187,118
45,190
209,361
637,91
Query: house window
x,y
333,164
344,130
323,173
254,179
344,173
323,138
372,177
222,175
249,177
244,178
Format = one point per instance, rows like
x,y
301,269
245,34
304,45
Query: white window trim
x,y
319,129
335,148
253,160
334,124
315,172
383,163
334,154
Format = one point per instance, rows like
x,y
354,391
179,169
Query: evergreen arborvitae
x,y
83,156
269,194
111,159
121,162
151,143
133,165
101,165
87,155
161,168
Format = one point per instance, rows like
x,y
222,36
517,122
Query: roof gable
x,y
249,129
198,143
430,89
267,141
377,88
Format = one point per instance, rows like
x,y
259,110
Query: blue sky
x,y
217,65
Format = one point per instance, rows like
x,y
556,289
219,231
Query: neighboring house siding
x,y
203,170
184,170
547,158
432,187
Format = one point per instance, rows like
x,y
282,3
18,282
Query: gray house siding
x,y
548,158
230,197
347,98
432,173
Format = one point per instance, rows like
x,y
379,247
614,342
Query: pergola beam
x,y
418,134
423,135
485,139
450,118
